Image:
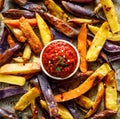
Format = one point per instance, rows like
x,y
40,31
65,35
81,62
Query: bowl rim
x,y
78,60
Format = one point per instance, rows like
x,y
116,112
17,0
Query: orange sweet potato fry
x,y
81,46
10,41
91,81
32,38
89,43
16,23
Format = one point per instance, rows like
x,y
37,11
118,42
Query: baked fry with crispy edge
x,y
110,98
91,81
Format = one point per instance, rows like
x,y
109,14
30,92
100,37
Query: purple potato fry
x,y
79,11
3,41
11,91
8,54
111,48
16,13
48,95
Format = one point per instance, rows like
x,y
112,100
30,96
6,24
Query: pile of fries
x,y
21,44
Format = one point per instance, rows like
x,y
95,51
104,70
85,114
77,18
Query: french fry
x,y
111,15
18,33
7,55
10,41
48,95
63,113
94,29
60,25
45,33
98,43
83,21
14,80
89,43
84,101
111,36
32,38
91,81
102,54
18,59
27,98
82,49
98,100
56,10
16,23
111,92
33,107
27,53
20,68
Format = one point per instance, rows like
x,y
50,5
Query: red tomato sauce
x,y
59,59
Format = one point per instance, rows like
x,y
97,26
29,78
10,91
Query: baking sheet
x,y
10,102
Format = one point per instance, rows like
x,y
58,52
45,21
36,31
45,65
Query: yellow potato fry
x,y
111,36
27,53
98,100
84,101
35,58
20,68
83,21
14,80
18,59
111,92
33,106
63,113
98,43
45,33
111,15
27,98
56,10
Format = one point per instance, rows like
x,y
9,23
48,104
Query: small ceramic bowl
x,y
59,59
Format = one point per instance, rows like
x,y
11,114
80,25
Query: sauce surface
x,y
59,59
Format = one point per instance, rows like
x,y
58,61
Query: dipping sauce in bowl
x,y
59,59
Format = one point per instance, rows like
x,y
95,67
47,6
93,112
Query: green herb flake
x,y
58,69
61,59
